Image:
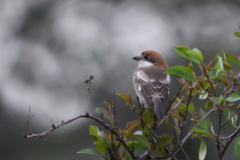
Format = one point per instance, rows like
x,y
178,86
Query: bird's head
x,y
151,58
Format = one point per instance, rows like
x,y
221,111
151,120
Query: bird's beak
x,y
137,58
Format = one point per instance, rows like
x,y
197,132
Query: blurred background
x,y
48,48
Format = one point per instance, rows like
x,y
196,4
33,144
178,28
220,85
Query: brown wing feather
x,y
151,89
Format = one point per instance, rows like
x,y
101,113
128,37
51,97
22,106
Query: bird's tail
x,y
158,107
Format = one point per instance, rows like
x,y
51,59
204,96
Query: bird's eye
x,y
146,57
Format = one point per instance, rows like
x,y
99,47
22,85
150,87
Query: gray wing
x,y
155,94
155,88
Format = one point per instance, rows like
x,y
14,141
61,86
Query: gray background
x,y
48,48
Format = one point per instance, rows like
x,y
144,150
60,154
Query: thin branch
x,y
183,151
190,132
229,118
219,129
233,86
160,122
89,81
27,129
178,138
232,136
185,116
218,85
207,115
205,73
178,93
114,155
90,117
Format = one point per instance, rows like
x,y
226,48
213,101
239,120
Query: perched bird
x,y
151,85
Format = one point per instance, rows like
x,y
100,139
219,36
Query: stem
x,y
219,129
178,93
184,120
205,73
232,136
229,118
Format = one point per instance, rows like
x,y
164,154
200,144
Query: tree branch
x,y
85,116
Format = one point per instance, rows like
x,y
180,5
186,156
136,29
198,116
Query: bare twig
x,y
90,117
89,81
27,129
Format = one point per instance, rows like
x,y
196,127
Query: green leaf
x,y
227,66
217,70
183,49
204,132
219,64
125,97
131,125
237,147
202,150
231,59
164,141
218,100
195,53
184,107
215,74
203,94
167,124
190,67
183,72
182,53
142,139
168,72
127,157
225,82
207,121
108,108
227,114
201,113
148,117
233,97
203,125
234,119
147,130
101,147
222,54
212,129
205,84
105,113
136,145
208,104
90,151
237,34
94,132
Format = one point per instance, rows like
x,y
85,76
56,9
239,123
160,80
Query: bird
x,y
151,85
